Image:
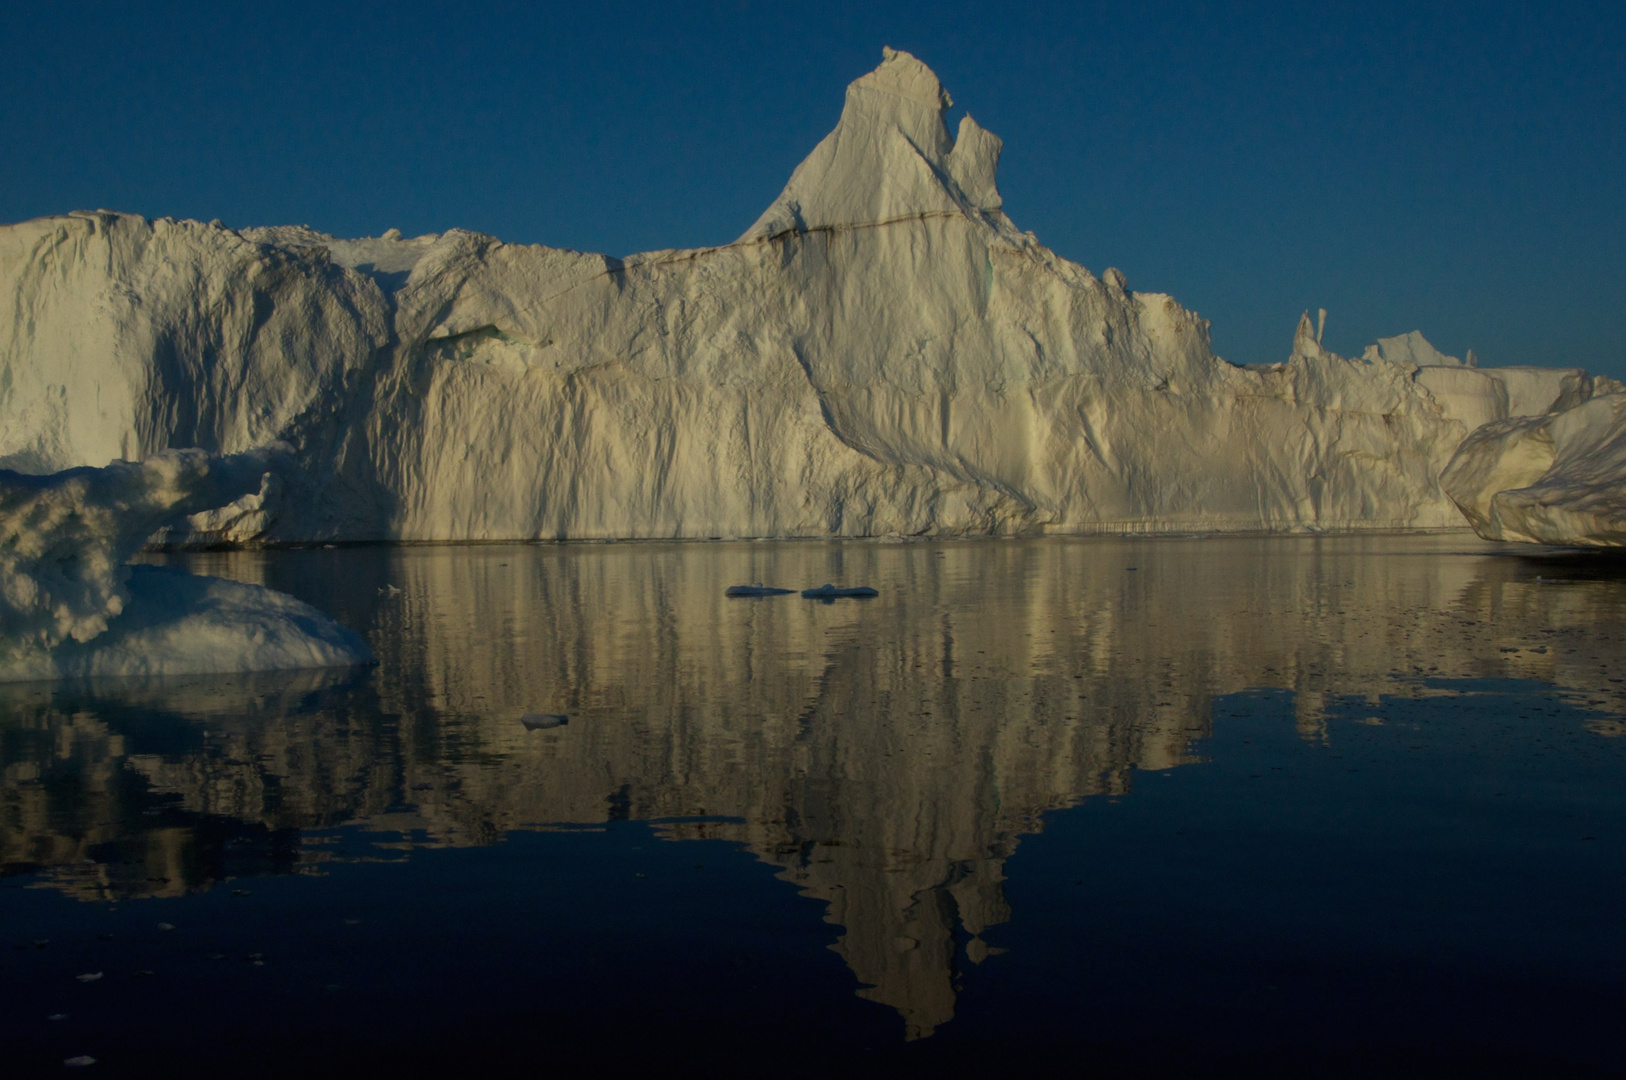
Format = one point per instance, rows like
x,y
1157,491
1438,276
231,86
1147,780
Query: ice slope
x,y
1555,479
882,352
71,606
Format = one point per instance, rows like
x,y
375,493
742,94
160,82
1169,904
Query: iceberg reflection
x,y
887,756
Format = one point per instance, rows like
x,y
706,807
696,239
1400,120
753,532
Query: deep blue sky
x,y
1456,169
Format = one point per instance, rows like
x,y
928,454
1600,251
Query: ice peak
x,y
903,75
890,157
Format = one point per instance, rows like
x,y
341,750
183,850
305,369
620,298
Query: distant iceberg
x,y
884,352
70,606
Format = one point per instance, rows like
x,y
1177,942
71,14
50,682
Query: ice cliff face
x,y
70,606
882,352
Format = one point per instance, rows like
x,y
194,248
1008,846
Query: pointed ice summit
x,y
888,159
883,352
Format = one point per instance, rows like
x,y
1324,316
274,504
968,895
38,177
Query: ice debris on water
x,y
89,976
832,592
537,721
757,589
80,1062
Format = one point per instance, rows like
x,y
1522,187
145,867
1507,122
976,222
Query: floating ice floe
x,y
71,606
534,721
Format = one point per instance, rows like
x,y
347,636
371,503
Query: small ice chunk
x,y
756,589
80,1062
89,976
831,592
538,721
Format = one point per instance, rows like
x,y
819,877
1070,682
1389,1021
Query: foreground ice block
x,y
70,606
1553,479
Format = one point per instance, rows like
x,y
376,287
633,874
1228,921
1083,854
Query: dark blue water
x,y
1348,807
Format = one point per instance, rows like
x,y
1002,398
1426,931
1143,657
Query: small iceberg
x,y
542,721
757,589
831,592
71,606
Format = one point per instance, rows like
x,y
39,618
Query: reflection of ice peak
x,y
901,941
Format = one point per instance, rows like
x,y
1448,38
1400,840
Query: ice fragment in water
x,y
539,721
831,592
758,589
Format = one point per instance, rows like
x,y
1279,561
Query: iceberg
x,y
883,352
72,607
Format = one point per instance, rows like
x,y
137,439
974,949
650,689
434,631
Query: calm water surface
x,y
1330,805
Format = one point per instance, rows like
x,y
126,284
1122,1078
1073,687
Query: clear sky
x,y
1456,168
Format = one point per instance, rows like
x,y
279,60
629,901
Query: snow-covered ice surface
x,y
882,352
1554,479
70,606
